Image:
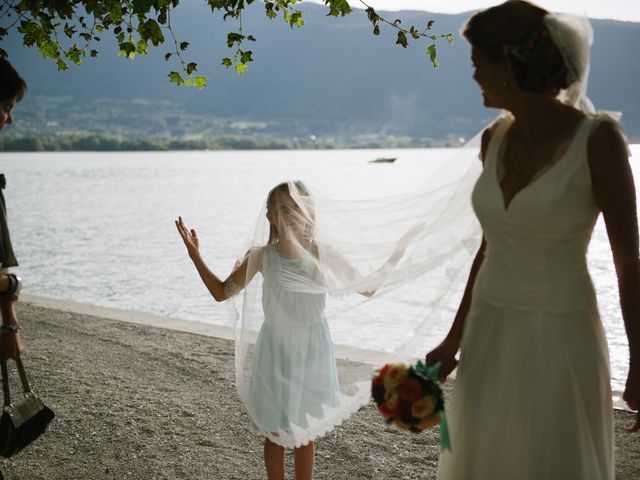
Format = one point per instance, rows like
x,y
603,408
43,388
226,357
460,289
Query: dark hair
x,y
11,84
282,188
516,29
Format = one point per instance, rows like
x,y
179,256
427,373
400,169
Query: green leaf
x,y
150,30
184,46
115,13
142,6
245,57
74,54
431,51
127,49
141,47
429,24
376,30
294,19
62,66
402,39
167,56
191,67
94,53
234,37
49,49
175,77
200,81
226,62
69,31
338,7
241,68
372,15
448,37
269,10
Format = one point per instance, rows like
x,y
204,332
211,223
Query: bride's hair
x,y
517,29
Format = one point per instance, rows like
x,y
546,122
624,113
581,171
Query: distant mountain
x,y
330,79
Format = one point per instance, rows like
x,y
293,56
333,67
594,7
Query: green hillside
x,y
329,84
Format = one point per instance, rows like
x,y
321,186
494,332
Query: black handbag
x,y
24,421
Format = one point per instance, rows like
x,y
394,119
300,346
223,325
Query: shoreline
x,y
134,400
343,352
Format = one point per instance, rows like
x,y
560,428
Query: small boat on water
x,y
384,160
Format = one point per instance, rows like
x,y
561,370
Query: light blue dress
x,y
294,377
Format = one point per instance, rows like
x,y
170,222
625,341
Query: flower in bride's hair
x,y
394,375
424,407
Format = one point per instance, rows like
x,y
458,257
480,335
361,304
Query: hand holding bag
x,y
24,421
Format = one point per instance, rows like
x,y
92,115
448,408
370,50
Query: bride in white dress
x,y
532,395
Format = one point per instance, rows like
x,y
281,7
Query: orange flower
x,y
394,376
391,400
429,422
423,407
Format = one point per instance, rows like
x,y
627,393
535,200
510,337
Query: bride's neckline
x,y
559,154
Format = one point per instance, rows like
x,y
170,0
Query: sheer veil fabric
x,y
326,255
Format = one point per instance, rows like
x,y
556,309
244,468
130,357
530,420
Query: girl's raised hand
x,y
189,237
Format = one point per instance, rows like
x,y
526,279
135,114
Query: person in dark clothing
x,y
12,89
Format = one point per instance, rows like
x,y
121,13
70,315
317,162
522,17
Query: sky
x,y
627,10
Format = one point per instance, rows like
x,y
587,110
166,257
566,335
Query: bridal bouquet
x,y
410,398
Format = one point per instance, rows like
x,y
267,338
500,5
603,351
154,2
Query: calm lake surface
x,y
98,227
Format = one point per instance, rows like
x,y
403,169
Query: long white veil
x,y
329,262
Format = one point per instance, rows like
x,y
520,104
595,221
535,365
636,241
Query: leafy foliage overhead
x,y
68,31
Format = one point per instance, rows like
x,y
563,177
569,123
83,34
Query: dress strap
x,y
590,124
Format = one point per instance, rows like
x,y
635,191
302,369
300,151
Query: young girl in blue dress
x,y
285,362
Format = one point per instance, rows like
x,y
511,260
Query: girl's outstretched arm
x,y
220,290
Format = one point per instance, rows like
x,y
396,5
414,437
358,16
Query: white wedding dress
x,y
532,396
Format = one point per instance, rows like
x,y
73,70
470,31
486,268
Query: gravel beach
x,y
139,402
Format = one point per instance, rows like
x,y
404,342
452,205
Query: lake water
x,y
98,227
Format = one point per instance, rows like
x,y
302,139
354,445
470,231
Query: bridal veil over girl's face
x,y
290,219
